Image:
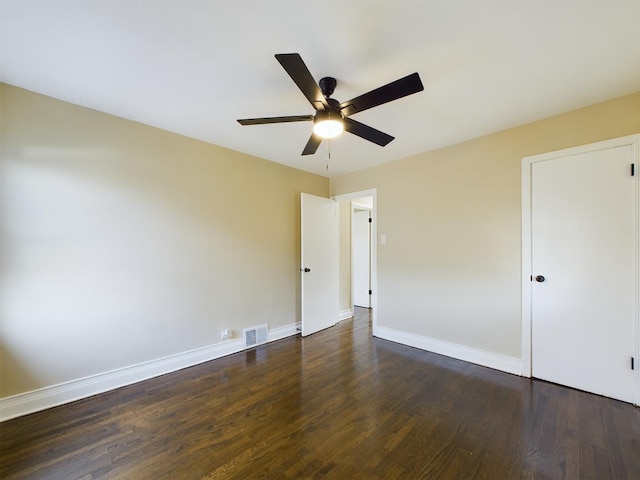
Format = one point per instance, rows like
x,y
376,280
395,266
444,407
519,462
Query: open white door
x,y
319,267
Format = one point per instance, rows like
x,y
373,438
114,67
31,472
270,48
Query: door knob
x,y
305,270
540,278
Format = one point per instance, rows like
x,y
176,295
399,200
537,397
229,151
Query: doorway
x,y
363,201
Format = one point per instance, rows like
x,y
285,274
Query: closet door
x,y
584,265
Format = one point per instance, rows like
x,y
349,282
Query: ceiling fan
x,y
332,117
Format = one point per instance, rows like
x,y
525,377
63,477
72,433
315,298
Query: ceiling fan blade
x,y
299,73
387,93
260,121
312,144
366,132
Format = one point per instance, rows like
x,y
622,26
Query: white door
x,y
584,282
361,259
319,267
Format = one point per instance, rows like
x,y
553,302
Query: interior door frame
x,y
372,192
527,258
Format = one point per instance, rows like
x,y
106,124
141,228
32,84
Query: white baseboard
x,y
485,358
283,332
344,314
47,397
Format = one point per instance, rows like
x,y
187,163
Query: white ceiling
x,y
195,66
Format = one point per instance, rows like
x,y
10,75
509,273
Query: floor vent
x,y
255,335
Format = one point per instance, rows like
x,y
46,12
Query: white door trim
x,y
527,162
372,192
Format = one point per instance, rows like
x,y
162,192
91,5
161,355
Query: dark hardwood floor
x,y
338,404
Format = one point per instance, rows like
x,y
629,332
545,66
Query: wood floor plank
x,y
339,404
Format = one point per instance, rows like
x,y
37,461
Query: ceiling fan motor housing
x,y
326,115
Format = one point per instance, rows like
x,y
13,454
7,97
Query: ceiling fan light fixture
x,y
328,124
331,116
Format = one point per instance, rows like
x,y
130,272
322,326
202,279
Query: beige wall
x,y
450,269
122,243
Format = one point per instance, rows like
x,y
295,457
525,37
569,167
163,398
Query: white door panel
x,y
319,252
361,258
583,223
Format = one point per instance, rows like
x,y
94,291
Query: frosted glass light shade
x,y
328,124
328,128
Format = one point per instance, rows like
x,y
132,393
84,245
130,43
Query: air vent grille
x,y
255,335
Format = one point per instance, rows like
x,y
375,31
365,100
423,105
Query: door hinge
x,y
633,367
370,220
370,292
633,169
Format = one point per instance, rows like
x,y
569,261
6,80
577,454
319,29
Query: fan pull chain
x,y
328,153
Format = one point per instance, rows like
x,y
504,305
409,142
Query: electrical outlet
x,y
226,333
